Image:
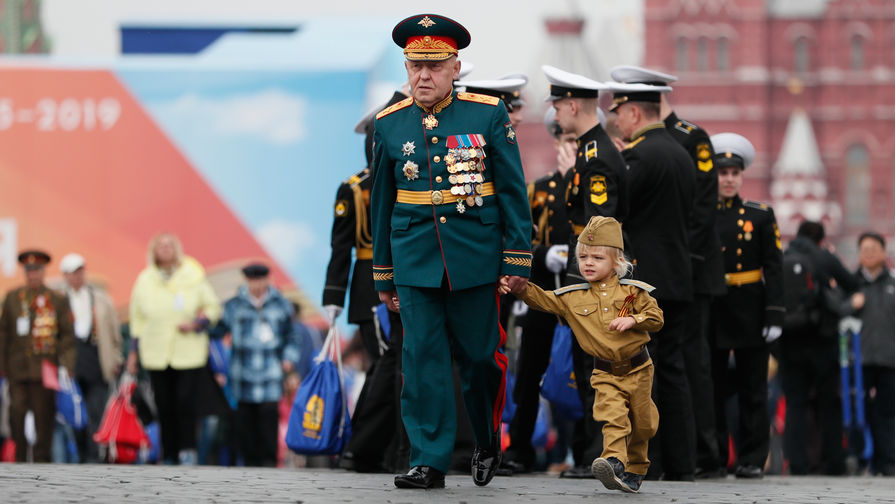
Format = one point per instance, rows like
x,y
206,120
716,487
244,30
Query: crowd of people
x,y
681,299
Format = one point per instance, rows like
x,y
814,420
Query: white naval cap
x,y
623,92
732,150
634,74
565,84
507,89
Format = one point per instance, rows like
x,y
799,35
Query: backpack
x,y
801,291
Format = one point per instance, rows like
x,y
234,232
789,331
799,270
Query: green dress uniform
x,y
36,325
449,215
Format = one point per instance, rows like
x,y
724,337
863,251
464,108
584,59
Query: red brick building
x,y
752,66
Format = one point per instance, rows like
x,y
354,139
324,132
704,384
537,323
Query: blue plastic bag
x,y
319,422
69,401
509,405
559,385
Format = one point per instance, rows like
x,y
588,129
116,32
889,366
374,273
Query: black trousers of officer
x,y
698,363
374,415
749,382
672,454
534,356
809,370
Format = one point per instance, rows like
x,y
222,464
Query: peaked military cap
x,y
430,37
569,85
732,150
255,270
517,100
34,259
635,92
635,74
550,122
507,89
602,231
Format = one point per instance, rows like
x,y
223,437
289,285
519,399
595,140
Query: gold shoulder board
x,y
570,288
398,106
637,283
478,98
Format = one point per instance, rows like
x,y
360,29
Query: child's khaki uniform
x,y
623,371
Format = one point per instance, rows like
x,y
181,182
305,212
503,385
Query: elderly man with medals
x,y
450,217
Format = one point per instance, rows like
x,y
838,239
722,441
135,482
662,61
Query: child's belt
x,y
622,367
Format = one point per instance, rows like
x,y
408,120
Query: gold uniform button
x,y
438,178
739,251
605,309
740,222
434,139
442,220
740,236
739,266
552,183
551,198
550,212
723,249
742,211
437,159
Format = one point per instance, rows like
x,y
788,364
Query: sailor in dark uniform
x,y
708,267
596,186
750,316
661,183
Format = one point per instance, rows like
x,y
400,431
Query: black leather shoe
x,y
511,467
610,472
577,472
749,471
420,477
718,472
484,465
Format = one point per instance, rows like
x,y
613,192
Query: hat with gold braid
x,y
602,232
430,37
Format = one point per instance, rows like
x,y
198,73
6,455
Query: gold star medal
x,y
411,170
430,122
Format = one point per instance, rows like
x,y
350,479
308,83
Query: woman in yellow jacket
x,y
172,303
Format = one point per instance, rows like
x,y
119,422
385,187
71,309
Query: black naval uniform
x,y
753,262
661,187
377,407
708,282
597,185
548,210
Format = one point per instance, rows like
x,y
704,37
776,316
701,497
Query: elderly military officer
x,y
36,325
661,187
751,314
450,216
705,255
596,186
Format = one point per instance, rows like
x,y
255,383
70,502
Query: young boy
x,y
611,319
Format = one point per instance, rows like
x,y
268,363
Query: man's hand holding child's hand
x,y
622,324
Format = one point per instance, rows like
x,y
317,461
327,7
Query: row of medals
x,y
465,168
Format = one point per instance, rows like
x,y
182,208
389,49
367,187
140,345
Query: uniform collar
x,y
649,127
734,202
605,284
588,135
671,120
438,107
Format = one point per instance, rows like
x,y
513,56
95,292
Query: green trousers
x,y
439,322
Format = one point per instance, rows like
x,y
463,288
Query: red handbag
x,y
120,433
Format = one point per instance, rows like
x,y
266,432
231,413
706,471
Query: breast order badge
x,y
411,170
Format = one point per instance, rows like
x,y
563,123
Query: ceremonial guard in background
x,y
661,183
596,186
372,446
36,326
550,246
441,240
708,267
750,315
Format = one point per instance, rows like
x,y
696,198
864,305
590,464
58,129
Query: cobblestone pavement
x,y
58,483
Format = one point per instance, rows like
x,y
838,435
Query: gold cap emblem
x,y
426,22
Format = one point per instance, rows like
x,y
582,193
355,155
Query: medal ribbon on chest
x,y
465,165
